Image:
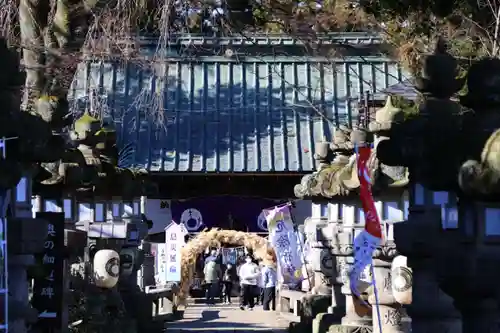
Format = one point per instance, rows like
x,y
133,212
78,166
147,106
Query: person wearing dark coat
x,y
228,280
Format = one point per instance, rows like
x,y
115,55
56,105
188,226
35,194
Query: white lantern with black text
x,y
106,268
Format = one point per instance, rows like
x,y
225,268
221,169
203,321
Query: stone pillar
x,y
333,265
431,309
354,320
146,275
479,315
20,203
388,315
317,247
18,292
321,239
475,293
422,240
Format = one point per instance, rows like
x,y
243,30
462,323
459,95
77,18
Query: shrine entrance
x,y
215,238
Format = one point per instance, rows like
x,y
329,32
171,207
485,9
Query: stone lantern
x,y
30,141
331,231
100,198
451,152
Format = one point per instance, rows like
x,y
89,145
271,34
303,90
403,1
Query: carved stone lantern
x,y
453,152
29,139
26,238
335,186
389,316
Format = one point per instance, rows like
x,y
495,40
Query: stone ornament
x,y
386,175
450,145
94,162
481,175
440,73
336,168
385,117
336,175
402,280
36,143
106,268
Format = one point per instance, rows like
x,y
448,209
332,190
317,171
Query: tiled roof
x,y
405,89
220,115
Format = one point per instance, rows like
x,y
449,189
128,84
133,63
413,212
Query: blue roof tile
x,y
220,115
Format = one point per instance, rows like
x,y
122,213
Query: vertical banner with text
x,y
174,241
161,264
48,287
283,239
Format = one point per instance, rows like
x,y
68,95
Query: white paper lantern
x,y
106,268
402,280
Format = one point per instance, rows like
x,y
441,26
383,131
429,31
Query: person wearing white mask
x,y
248,274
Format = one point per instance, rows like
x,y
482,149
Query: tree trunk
x,y
51,53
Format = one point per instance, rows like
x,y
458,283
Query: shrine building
x,y
227,126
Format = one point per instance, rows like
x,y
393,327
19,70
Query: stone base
x,y
323,321
350,329
438,325
313,305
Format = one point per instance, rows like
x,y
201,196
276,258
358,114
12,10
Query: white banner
x,y
285,242
174,240
161,264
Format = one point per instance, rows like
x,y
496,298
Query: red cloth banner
x,y
370,238
372,221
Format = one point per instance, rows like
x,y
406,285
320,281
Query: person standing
x,y
259,290
219,260
212,272
269,280
227,281
248,274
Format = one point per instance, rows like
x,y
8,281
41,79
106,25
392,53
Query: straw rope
x,y
214,238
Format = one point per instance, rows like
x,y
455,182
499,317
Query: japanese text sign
x,y
48,286
174,241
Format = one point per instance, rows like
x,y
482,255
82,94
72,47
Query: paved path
x,y
227,318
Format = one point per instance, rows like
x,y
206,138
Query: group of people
x,y
257,282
